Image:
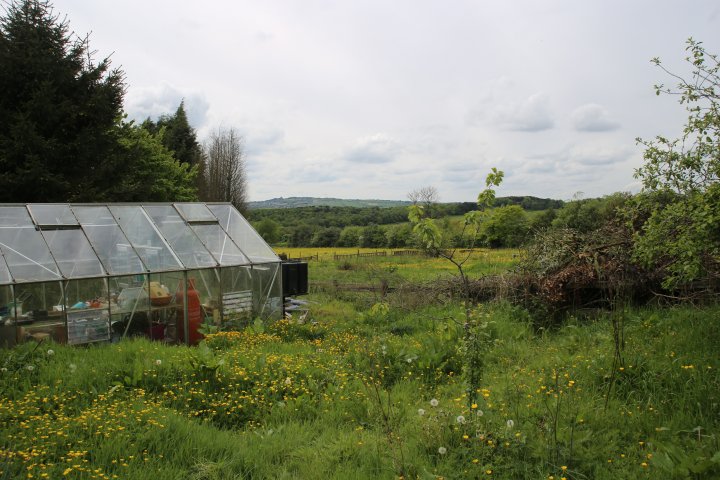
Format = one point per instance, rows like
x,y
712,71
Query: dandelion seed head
x,y
434,402
421,411
460,419
442,450
510,424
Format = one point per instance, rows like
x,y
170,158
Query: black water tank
x,y
294,278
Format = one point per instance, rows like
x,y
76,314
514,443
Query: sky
x,y
372,99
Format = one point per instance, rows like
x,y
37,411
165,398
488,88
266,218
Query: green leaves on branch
x,y
680,201
487,196
428,233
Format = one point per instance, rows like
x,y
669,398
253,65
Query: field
x,y
393,268
361,388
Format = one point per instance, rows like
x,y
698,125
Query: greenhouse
x,y
81,273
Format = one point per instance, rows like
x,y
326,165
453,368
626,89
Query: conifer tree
x,y
59,110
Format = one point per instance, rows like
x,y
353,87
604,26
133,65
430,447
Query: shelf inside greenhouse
x,y
81,273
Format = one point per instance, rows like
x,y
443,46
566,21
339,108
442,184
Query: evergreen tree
x,y
59,111
181,139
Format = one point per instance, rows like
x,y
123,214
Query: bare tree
x,y
226,179
426,197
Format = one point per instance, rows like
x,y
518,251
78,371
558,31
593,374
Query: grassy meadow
x,y
363,388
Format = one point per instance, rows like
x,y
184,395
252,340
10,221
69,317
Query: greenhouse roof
x,y
43,242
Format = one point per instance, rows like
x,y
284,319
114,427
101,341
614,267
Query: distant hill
x,y
294,202
528,203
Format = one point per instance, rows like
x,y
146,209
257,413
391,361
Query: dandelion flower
x,y
421,411
460,419
442,450
51,352
510,424
434,402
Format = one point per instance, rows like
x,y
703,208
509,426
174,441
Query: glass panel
x,y
15,217
8,331
87,308
207,284
4,272
181,238
129,306
242,233
267,290
237,294
195,212
73,253
148,243
110,243
220,245
166,307
40,312
52,214
26,253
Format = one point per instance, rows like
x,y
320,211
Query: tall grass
x,y
372,394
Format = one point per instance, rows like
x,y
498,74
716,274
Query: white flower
x,y
480,413
158,362
460,419
30,368
510,424
421,411
442,450
288,381
434,402
51,352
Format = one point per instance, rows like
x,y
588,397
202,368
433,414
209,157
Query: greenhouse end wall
x,y
164,271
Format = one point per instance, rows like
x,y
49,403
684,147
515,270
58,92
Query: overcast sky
x,y
374,98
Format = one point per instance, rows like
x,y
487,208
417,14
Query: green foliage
x,y
301,236
505,227
373,236
683,236
150,172
350,237
586,215
58,110
325,237
179,137
268,229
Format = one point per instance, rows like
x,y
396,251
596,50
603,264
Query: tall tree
x,y
58,110
180,138
149,172
225,170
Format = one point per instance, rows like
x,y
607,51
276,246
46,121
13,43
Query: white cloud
x,y
530,115
593,118
375,149
164,99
